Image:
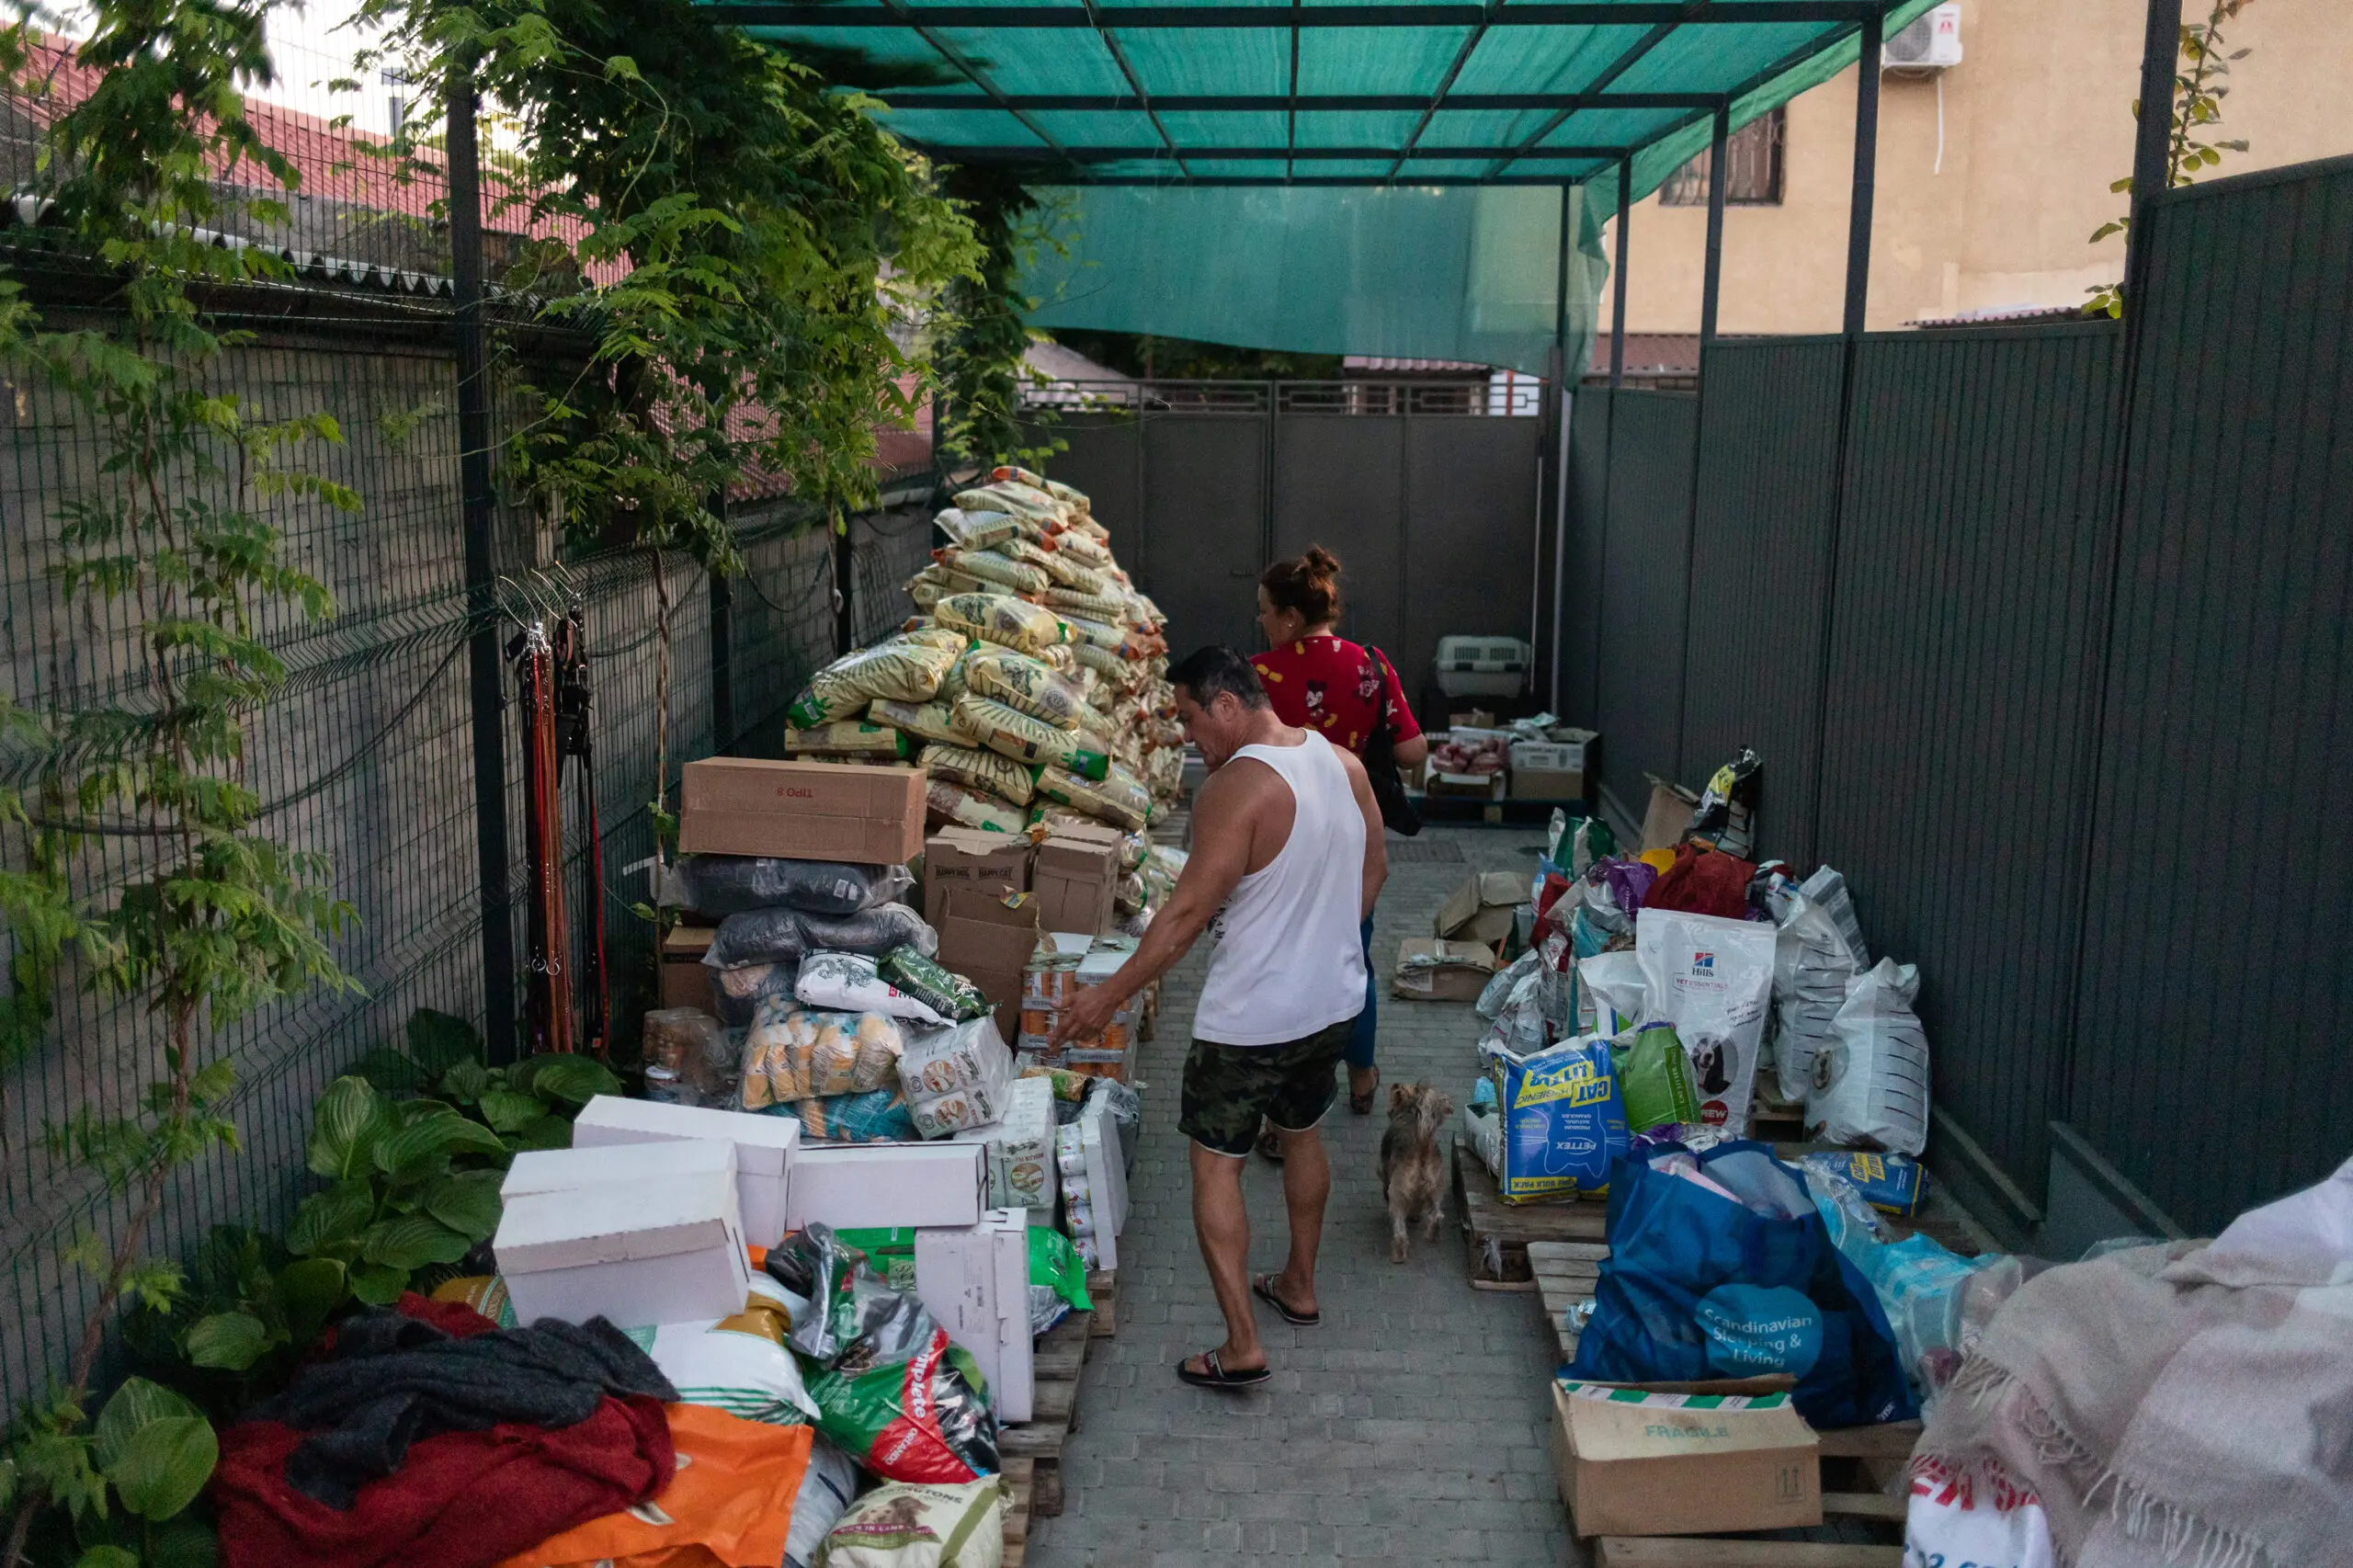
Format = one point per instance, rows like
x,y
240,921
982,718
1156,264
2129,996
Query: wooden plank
x,y
1102,1289
1703,1552
1892,1439
1568,1253
1866,1505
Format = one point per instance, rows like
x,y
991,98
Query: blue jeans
x,y
1359,1052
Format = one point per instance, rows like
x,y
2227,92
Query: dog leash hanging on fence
x,y
548,1024
572,700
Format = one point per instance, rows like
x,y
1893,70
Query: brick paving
x,y
1409,1427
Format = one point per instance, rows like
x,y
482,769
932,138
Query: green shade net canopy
x,y
1394,179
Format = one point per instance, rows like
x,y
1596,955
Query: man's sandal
x,y
1263,1287
1214,1376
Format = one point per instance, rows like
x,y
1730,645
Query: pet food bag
x,y
1020,1148
871,1116
982,770
1000,572
951,995
975,531
1653,1078
827,1488
1812,967
905,1525
1563,1123
1613,985
1013,733
721,885
1720,1267
1713,979
848,981
890,1390
1117,798
1870,1078
736,1364
932,721
948,801
1026,684
848,738
1000,618
899,667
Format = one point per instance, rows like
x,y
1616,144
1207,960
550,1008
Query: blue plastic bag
x,y
1563,1124
1732,1275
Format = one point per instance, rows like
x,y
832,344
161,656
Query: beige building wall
x,y
2037,121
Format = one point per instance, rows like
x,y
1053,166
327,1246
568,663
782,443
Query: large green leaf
x,y
391,1071
413,1241
164,1465
183,1542
377,1284
309,1291
575,1080
107,1557
465,1081
467,1202
412,1150
542,1133
229,1342
440,1041
344,1126
508,1109
136,1403
330,1222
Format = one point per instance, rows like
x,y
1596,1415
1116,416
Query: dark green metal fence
x,y
2056,675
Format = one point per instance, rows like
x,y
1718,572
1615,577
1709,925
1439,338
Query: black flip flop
x,y
1263,1287
1217,1376
1362,1104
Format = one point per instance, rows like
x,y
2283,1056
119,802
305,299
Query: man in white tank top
x,y
1286,860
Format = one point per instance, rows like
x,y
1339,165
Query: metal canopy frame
x,y
1164,160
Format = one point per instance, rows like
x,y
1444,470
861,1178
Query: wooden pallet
x,y
1859,1467
1036,1446
1102,1289
1773,1120
1497,1233
1565,1275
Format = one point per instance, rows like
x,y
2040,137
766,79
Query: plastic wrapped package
x,y
871,931
1126,1114
846,737
982,771
721,885
973,529
794,1054
1020,1148
739,991
897,667
690,1047
1025,685
1117,798
751,937
890,1390
869,1116
948,801
1015,734
953,997
851,982
930,722
1078,1196
956,1077
996,618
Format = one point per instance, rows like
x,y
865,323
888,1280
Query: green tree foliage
x,y
980,350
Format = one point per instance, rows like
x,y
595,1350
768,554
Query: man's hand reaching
x,y
1087,1016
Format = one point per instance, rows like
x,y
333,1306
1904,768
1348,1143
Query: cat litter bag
x,y
1562,1123
1713,979
1870,1078
1000,618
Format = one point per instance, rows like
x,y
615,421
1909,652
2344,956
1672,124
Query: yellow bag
x,y
925,720
968,807
976,530
1098,606
1024,684
846,737
1001,618
982,771
1117,798
1002,572
1014,733
934,636
897,667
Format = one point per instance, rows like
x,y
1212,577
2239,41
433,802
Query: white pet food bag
x,y
1713,979
1812,966
1871,1077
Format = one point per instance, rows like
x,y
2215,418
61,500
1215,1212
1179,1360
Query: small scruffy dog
x,y
1411,1172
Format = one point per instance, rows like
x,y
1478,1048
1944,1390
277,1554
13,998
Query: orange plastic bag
x,y
730,1505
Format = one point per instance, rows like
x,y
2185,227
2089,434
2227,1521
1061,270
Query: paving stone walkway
x,y
1410,1427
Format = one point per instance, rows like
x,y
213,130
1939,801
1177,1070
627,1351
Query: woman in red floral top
x,y
1319,681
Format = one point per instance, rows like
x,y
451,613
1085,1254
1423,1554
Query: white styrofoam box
x,y
1020,1144
855,1187
664,1249
1548,757
1481,666
974,1280
569,1170
764,1149
1069,941
1101,1133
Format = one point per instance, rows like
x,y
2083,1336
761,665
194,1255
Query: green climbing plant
x,y
982,337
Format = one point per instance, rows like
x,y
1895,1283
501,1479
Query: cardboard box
x,y
1432,970
1100,1179
988,940
1481,909
966,857
573,1170
974,1281
801,811
765,1146
1464,786
1074,878
1670,812
1635,1462
856,1186
1532,784
686,982
666,1249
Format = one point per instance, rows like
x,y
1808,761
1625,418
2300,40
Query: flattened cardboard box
x,y
685,981
1632,1462
988,939
1457,973
1075,879
801,811
1481,909
1671,810
966,857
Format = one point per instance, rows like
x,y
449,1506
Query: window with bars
x,y
1751,168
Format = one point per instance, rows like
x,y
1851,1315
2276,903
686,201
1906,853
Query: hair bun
x,y
1320,563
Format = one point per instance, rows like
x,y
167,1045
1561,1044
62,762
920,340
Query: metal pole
x,y
1859,220
1709,288
844,586
2152,142
479,517
722,647
1562,403
1617,275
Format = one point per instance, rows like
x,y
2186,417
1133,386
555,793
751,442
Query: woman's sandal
x,y
1214,1376
1263,1287
1362,1103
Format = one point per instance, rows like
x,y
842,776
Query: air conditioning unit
x,y
1930,42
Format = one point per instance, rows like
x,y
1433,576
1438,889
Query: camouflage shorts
x,y
1229,1088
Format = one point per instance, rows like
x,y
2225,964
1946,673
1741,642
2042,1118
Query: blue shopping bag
x,y
1737,1283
